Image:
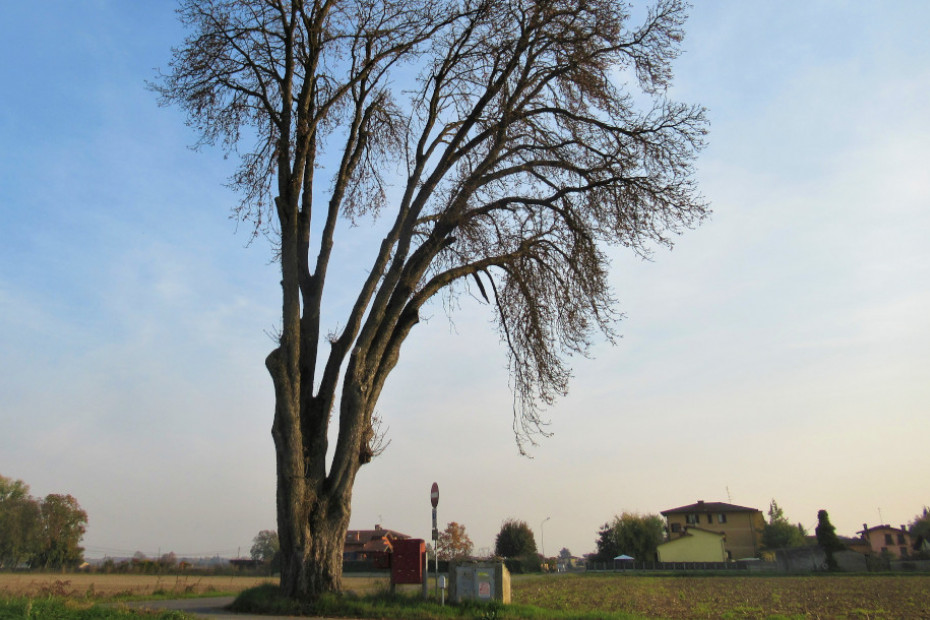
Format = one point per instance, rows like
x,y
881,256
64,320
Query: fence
x,y
629,565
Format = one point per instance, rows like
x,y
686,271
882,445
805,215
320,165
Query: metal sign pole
x,y
434,500
424,566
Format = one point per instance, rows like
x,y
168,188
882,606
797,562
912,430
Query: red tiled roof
x,y
371,540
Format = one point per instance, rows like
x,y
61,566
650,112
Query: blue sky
x,y
782,350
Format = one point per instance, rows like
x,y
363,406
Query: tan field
x,y
96,585
99,585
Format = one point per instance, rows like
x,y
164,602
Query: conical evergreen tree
x,y
827,538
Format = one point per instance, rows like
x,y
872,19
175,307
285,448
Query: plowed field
x,y
816,596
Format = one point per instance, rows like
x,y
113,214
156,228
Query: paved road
x,y
214,607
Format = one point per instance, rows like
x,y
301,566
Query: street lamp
x,y
542,529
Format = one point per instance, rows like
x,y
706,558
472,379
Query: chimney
x,y
903,527
865,529
700,501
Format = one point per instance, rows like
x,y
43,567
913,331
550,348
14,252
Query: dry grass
x,y
99,585
110,586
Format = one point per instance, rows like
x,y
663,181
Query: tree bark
x,y
314,508
313,564
313,514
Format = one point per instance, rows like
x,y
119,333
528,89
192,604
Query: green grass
x,y
57,608
268,600
166,595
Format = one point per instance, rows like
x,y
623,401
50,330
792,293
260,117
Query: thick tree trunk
x,y
312,525
313,564
313,511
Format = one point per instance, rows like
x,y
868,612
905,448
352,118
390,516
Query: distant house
x,y
372,545
885,539
694,544
740,526
570,564
245,563
852,543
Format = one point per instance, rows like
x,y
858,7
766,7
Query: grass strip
x,y
267,599
56,608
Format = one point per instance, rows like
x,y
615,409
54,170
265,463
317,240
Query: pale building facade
x,y
884,539
694,545
741,526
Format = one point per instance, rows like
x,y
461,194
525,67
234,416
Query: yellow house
x,y
694,545
741,526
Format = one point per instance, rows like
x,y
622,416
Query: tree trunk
x,y
312,525
313,564
313,511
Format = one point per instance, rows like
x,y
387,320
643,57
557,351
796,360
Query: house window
x,y
901,540
676,527
903,551
710,519
692,519
721,518
889,540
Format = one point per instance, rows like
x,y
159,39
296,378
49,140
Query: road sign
x,y
434,495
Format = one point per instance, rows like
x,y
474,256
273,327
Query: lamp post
x,y
542,529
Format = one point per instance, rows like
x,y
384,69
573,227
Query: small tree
x,y
779,533
919,530
63,527
514,540
454,543
632,534
43,533
827,538
265,547
20,523
167,561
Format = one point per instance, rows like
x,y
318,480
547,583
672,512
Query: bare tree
x,y
522,159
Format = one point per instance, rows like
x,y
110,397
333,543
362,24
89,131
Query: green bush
x,y
266,599
524,564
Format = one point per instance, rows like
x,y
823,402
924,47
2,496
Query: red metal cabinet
x,y
407,561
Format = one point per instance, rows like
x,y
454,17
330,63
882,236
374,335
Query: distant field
x,y
100,585
816,596
107,586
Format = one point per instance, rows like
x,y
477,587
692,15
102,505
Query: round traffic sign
x,y
434,495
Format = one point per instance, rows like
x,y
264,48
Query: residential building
x,y
741,526
884,539
695,544
373,545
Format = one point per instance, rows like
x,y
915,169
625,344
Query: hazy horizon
x,y
781,350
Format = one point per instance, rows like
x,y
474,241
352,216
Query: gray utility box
x,y
479,581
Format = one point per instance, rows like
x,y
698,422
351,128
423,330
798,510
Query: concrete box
x,y
479,581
